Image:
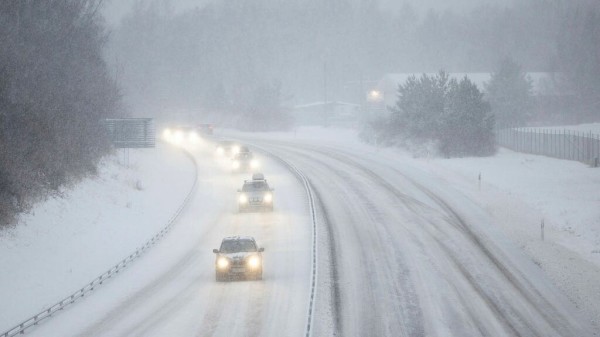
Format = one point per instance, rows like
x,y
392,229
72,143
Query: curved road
x,y
410,257
400,254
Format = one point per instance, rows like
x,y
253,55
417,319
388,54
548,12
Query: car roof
x,y
238,238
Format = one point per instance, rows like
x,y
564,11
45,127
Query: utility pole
x,y
325,104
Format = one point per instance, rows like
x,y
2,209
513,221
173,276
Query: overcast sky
x,y
115,9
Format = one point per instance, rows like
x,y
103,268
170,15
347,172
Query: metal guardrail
x,y
311,203
47,313
562,144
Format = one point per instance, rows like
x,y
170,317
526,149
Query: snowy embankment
x,y
66,241
519,191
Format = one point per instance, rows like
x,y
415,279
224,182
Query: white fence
x,y
562,144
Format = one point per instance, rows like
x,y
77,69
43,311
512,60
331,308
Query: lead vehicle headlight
x,y
178,137
243,199
254,262
222,263
268,197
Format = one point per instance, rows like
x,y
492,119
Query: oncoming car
x,y
244,161
227,148
238,257
255,195
182,134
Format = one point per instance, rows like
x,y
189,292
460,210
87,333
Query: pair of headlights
x,y
179,136
254,164
253,262
268,198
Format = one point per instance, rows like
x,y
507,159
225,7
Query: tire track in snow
x,y
514,323
315,204
412,322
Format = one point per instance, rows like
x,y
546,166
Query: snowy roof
x,y
317,104
238,238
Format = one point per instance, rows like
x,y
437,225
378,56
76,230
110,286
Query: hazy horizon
x,y
114,10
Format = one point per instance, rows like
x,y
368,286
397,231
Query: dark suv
x,y
238,257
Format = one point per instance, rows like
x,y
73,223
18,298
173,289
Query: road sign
x,y
131,132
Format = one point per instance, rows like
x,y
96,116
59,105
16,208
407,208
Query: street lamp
x,y
374,96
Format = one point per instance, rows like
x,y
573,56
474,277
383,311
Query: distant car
x,y
256,195
205,128
244,161
238,257
181,134
227,148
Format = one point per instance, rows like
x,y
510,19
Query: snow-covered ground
x,y
67,241
519,191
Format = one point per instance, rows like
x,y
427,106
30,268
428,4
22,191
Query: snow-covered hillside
x,y
66,241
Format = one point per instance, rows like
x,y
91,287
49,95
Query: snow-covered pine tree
x,y
467,125
509,93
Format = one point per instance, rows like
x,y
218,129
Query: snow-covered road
x,y
171,291
400,254
409,257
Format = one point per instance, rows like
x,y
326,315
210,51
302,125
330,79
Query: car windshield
x,y
255,186
238,246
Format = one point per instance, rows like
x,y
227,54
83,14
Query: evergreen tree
x,y
578,48
509,93
420,105
467,125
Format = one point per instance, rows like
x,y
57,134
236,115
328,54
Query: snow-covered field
x,y
67,241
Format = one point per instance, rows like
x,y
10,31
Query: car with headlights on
x,y
244,161
227,148
182,134
256,195
239,257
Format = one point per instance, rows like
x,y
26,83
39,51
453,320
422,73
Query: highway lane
x,y
411,261
400,254
172,290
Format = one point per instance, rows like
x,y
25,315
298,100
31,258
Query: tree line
x,y
55,88
214,59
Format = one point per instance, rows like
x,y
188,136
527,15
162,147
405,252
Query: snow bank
x,y
66,241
